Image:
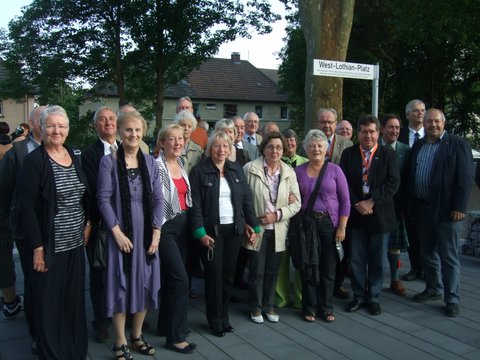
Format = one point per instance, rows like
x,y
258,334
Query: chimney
x,y
235,56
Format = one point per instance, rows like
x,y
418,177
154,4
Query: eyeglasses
x,y
273,147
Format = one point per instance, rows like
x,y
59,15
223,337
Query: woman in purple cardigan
x,y
330,212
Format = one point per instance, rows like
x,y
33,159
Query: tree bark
x,y
326,26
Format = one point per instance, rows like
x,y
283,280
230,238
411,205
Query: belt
x,y
320,214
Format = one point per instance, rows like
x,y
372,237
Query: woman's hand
x,y
292,199
155,242
340,234
39,260
250,234
268,218
123,242
87,231
207,241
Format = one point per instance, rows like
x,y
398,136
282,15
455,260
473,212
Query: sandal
x,y
328,316
310,317
142,346
125,355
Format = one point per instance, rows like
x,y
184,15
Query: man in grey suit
x,y
327,122
240,143
390,130
252,122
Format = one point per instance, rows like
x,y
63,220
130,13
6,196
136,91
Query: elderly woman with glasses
x,y
221,215
276,199
330,211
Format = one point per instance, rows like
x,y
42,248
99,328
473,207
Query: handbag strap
x,y
314,193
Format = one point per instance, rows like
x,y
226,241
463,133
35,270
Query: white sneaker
x,y
258,319
272,317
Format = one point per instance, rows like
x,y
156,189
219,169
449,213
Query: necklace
x,y
56,156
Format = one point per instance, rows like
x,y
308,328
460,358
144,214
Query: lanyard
x,y
366,164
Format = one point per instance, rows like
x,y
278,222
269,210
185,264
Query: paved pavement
x,y
405,329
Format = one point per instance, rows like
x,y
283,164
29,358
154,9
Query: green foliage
x,y
146,44
426,50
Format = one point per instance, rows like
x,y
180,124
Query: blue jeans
x,y
368,261
439,254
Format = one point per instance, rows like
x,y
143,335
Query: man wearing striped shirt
x,y
441,171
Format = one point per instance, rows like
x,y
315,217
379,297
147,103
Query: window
x,y
1,107
229,110
283,112
259,111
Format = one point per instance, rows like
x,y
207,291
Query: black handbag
x,y
302,235
100,250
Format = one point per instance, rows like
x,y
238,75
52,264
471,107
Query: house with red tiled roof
x,y
219,88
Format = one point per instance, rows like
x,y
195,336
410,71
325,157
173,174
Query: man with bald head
x,y
269,127
12,227
345,129
440,182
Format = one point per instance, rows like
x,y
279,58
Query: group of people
x,y
138,217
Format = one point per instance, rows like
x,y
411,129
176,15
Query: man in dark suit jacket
x,y
440,182
373,178
10,167
390,129
105,123
327,122
415,113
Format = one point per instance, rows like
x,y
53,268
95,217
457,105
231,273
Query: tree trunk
x,y
326,26
119,73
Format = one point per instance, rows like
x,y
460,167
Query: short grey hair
x,y
218,135
314,135
410,105
99,110
53,110
185,115
332,110
226,124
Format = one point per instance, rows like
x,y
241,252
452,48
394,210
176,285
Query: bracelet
x,y
88,223
342,228
38,249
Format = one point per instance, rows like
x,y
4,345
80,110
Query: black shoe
x,y
374,308
412,275
228,329
190,348
219,333
341,293
452,310
355,305
425,296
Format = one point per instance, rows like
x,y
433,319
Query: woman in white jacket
x,y
276,199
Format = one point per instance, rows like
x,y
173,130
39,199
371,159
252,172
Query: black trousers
x,y
97,285
172,314
220,267
60,320
318,297
413,245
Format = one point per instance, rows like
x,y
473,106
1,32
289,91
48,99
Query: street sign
x,y
343,69
350,70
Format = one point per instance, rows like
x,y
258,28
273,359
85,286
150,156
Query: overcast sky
x,y
261,51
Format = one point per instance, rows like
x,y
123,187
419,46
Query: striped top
x,y
424,164
70,218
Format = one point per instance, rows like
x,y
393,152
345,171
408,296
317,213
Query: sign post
x,y
353,71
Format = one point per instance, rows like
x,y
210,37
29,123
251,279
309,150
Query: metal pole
x,y
375,90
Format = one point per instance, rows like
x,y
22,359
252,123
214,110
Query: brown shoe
x,y
397,288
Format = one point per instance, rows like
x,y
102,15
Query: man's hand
x,y
457,216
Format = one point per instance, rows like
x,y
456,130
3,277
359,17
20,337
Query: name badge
x,y
366,189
